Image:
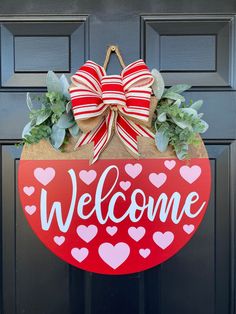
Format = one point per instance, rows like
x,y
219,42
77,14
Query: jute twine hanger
x,y
116,50
110,50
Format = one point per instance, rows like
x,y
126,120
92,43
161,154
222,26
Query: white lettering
x,y
134,209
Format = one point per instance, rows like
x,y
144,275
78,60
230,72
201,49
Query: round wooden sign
x,y
119,215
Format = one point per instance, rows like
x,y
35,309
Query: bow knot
x,y
112,102
113,90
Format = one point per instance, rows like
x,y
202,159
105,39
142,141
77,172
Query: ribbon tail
x,y
100,136
128,131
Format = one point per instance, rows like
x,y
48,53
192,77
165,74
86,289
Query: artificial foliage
x,y
53,120
176,121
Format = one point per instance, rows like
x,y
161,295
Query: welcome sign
x,y
116,216
137,204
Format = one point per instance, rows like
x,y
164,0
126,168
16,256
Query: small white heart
x,y
111,230
29,190
59,240
30,209
170,164
144,252
125,185
188,228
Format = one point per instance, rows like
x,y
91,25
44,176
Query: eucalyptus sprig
x,y
54,120
176,122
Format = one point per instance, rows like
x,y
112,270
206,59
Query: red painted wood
x,y
136,245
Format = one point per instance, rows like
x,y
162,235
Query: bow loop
x,y
136,74
86,94
89,75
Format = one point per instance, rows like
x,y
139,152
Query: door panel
x,y
191,48
29,49
196,49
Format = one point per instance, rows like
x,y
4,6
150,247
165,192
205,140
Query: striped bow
x,y
112,103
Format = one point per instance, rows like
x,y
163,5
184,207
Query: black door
x,y
196,48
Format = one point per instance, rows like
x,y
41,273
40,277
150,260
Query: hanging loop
x,y
115,49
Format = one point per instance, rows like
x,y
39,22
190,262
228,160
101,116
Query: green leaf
x,y
57,136
29,102
66,121
26,129
68,107
74,130
58,107
200,115
161,140
177,102
158,85
204,127
65,85
197,105
173,96
179,88
37,133
190,111
182,152
43,116
53,83
161,117
181,123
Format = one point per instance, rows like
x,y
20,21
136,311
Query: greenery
x,y
176,122
54,120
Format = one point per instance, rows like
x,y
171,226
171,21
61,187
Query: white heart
x,y
157,179
190,174
170,164
125,185
79,254
28,190
111,230
59,240
144,252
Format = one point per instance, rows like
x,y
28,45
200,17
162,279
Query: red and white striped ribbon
x,y
118,98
